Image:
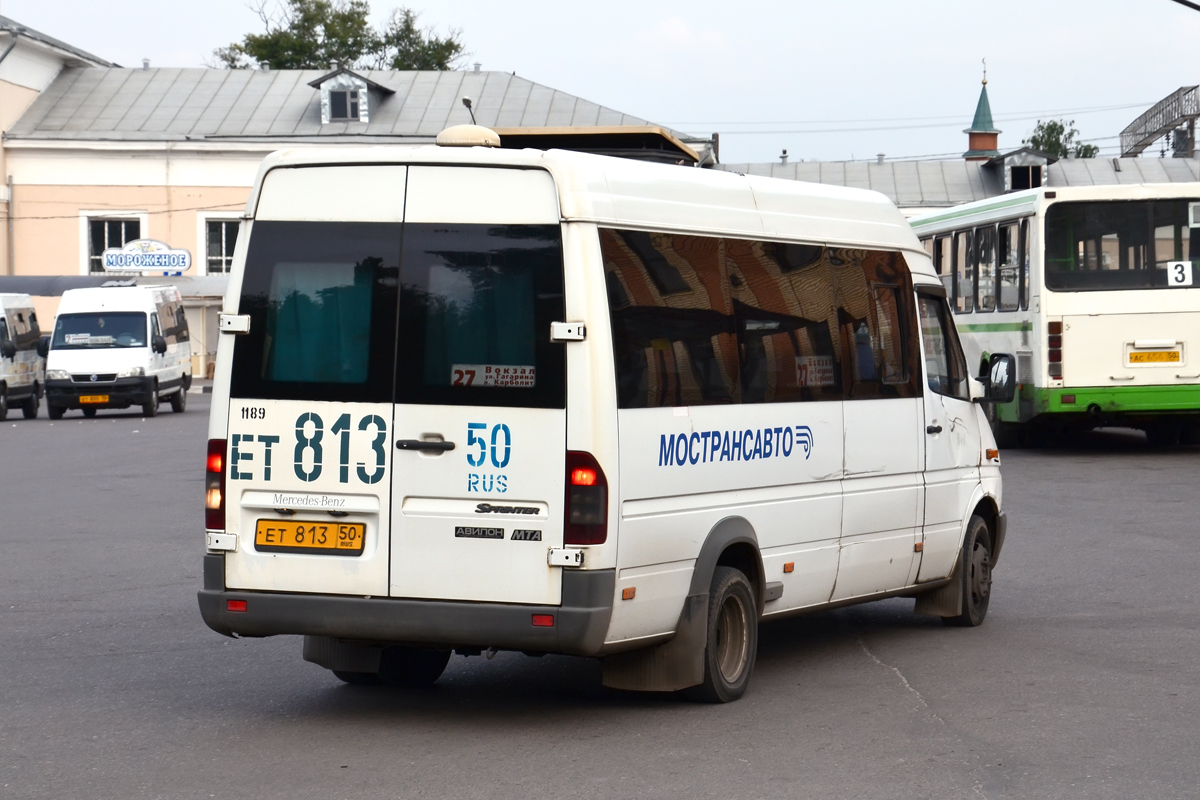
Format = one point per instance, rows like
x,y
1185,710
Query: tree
x,y
314,34
1059,139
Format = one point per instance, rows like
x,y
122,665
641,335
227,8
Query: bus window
x,y
985,272
964,274
1024,260
1009,256
943,263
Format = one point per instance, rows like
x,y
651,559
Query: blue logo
x,y
702,447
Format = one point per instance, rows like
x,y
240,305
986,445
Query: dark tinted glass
x,y
339,106
1116,244
321,297
945,365
90,331
475,312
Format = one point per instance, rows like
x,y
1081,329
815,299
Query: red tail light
x,y
586,519
214,486
1054,348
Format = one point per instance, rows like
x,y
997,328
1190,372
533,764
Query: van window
x,y
321,297
945,365
173,321
476,304
93,330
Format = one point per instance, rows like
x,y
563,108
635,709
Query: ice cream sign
x,y
146,254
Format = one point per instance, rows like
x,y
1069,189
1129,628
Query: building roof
x,y
80,57
163,104
941,184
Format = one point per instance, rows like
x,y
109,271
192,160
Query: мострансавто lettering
x,y
752,444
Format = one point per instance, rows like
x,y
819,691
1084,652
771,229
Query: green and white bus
x,y
1096,289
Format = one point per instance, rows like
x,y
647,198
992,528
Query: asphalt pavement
x,y
1082,683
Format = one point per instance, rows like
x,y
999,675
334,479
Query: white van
x,y
116,347
21,375
471,399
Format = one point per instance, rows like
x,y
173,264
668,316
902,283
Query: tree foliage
x,y
1060,139
315,34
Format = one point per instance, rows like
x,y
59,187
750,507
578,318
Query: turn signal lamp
x,y
214,486
586,515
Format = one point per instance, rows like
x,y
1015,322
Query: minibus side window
x,y
476,305
672,319
321,297
945,365
872,291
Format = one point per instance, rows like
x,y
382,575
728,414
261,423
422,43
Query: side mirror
x,y
8,348
44,346
1002,378
159,345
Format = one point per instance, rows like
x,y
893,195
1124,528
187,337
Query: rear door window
x,y
476,306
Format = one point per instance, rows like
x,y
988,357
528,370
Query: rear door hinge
x,y
567,331
565,557
234,323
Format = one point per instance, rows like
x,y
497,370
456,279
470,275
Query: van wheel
x,y
179,400
89,412
975,572
357,678
150,409
411,667
31,405
732,639
55,412
3,402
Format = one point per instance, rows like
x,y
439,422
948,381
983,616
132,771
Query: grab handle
x,y
420,444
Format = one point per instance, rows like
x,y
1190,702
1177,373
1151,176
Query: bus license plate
x,y
93,398
320,538
1154,357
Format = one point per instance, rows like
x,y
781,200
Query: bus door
x,y
479,424
952,438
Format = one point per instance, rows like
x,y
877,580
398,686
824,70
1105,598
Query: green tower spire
x,y
983,132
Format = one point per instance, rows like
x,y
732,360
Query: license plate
x,y
93,398
1154,357
321,538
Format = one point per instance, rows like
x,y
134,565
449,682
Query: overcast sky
x,y
825,80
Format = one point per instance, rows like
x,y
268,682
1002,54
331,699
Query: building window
x,y
104,234
1026,178
220,238
343,104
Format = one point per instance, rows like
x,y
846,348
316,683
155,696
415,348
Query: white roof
x,y
626,193
114,298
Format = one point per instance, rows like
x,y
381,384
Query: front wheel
x,y
150,408
975,572
179,400
30,407
3,403
732,643
89,412
55,412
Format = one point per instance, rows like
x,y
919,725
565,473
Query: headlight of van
x,y
132,372
57,375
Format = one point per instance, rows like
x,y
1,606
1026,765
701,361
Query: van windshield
x,y
91,331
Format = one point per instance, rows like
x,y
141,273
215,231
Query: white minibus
x,y
1095,289
470,399
21,376
116,347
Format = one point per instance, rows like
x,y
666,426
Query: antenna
x,y
467,103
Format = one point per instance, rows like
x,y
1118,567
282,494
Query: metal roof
x,y
11,26
163,104
941,184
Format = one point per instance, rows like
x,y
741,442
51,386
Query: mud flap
x,y
341,654
946,601
671,666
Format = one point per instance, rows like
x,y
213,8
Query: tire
x,y
89,412
411,667
31,405
975,572
150,409
732,642
55,412
357,678
179,400
3,403
1164,434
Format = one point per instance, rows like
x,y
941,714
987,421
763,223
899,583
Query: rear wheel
x,y
1164,434
150,408
975,572
732,638
31,405
179,400
3,403
89,412
411,667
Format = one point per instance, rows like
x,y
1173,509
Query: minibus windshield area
x,y
98,330
1116,244
445,314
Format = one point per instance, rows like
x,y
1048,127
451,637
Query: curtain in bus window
x,y
1009,256
985,263
964,278
476,304
672,321
786,323
873,299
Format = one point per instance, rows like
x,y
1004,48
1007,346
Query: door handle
x,y
419,444
933,428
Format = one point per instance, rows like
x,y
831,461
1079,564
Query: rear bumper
x,y
1118,401
580,623
122,393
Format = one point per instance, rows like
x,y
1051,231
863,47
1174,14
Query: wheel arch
x,y
732,542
